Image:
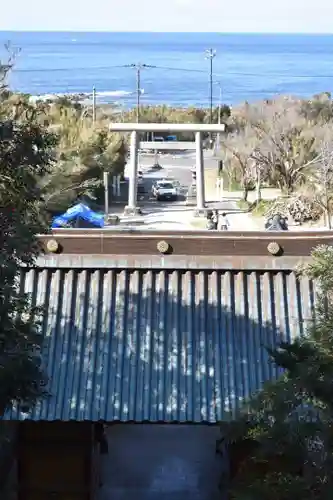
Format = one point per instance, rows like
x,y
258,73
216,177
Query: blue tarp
x,y
78,212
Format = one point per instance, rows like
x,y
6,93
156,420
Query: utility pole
x,y
138,67
138,92
210,54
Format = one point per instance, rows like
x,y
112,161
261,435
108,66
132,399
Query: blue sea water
x,y
248,67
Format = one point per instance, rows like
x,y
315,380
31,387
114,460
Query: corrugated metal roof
x,y
161,345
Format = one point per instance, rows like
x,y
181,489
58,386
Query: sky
x,y
258,16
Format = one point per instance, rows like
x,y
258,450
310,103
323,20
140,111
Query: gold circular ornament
x,y
273,247
163,246
52,246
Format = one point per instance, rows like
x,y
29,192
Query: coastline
x,y
249,67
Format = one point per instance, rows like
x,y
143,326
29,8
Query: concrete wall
x,y
161,462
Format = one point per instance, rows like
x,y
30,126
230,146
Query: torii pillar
x,y
200,177
131,207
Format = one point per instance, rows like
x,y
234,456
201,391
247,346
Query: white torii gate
x,y
197,129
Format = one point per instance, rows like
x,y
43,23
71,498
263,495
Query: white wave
x,y
114,93
44,97
87,95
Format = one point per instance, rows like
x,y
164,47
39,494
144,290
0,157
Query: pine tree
x,y
290,422
26,152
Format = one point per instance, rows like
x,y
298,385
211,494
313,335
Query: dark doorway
x,y
161,462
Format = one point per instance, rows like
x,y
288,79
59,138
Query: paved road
x,y
177,166
166,215
169,215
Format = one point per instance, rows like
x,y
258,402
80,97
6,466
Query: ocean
x,y
246,67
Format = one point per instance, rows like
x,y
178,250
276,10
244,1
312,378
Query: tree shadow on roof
x,y
159,346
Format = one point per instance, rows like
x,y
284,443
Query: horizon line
x,y
280,33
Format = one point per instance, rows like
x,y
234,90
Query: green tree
x,y
26,155
84,151
290,422
79,170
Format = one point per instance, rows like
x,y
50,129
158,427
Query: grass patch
x,y
259,209
244,205
256,209
230,184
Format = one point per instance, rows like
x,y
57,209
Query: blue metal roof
x,y
161,345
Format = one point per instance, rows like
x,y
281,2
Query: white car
x,y
174,181
165,190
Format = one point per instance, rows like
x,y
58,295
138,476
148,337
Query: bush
x,y
244,205
303,209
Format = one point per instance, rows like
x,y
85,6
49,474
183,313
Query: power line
x,y
187,70
104,68
272,75
168,68
53,70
